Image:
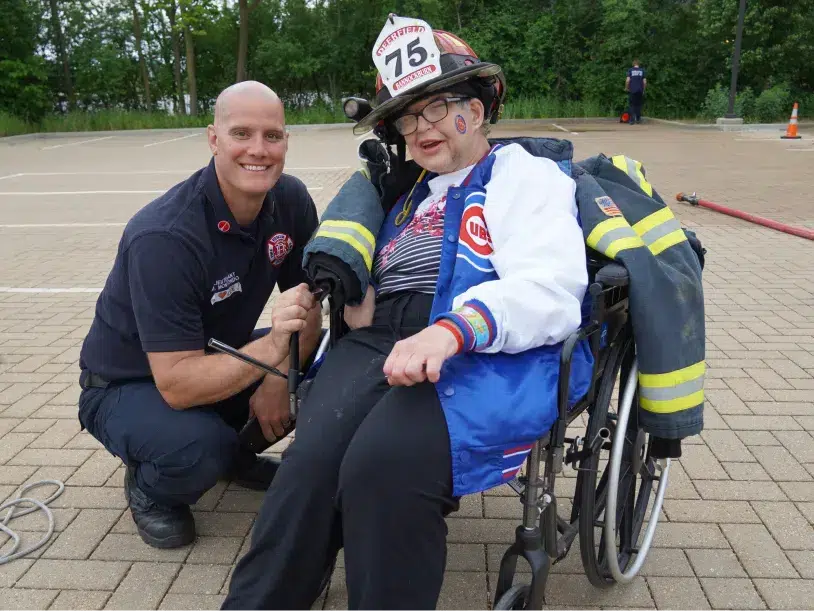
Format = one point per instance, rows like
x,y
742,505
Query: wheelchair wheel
x,y
515,597
624,487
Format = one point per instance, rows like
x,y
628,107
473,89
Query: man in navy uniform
x,y
635,84
201,262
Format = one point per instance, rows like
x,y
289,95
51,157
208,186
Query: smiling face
x,y
450,143
249,142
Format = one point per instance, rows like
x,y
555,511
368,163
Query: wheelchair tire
x,y
515,597
633,488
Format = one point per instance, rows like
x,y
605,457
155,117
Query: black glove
x,y
336,276
665,448
391,178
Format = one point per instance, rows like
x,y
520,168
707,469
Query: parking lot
x,y
738,524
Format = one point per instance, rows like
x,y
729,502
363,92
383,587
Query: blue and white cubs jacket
x,y
512,279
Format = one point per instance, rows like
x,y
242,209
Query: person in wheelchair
x,y
449,372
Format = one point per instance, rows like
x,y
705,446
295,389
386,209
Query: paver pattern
x,y
737,529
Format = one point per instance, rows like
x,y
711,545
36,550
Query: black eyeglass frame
x,y
397,121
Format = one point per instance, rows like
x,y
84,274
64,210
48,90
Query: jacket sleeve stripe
x,y
633,169
665,393
353,227
673,378
612,236
475,323
674,391
660,230
671,406
349,235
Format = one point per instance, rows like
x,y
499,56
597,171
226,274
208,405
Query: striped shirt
x,y
411,261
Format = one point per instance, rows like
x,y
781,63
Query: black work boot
x,y
158,525
254,471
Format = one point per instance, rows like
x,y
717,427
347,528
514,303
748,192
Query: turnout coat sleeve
x,y
538,254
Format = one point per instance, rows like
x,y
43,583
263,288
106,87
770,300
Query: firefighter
x,y
200,262
635,85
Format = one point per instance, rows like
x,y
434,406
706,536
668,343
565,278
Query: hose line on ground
x,y
35,505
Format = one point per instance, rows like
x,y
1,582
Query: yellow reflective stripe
x,y
660,230
646,187
622,244
670,406
612,236
349,239
620,162
673,378
633,169
674,391
653,220
664,242
363,231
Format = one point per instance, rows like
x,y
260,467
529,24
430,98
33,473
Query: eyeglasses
x,y
433,112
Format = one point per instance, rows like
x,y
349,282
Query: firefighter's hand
x,y
270,405
289,314
420,357
362,315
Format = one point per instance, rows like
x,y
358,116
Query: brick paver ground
x,y
737,525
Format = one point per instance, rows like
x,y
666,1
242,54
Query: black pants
x,y
177,454
369,469
636,101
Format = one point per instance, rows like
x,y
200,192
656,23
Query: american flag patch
x,y
513,460
607,206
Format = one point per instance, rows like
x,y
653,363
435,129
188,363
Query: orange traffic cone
x,y
791,130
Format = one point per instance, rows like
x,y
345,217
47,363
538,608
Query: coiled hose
x,y
35,505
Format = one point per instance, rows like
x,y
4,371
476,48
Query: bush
x,y
715,104
11,125
24,89
774,104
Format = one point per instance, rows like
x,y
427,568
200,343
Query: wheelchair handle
x,y
293,373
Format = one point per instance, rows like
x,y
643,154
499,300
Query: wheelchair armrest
x,y
612,274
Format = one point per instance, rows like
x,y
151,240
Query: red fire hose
x,y
798,231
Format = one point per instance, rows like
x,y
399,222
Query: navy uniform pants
x,y
177,454
369,470
636,101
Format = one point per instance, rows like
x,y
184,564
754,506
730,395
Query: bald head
x,y
246,91
249,142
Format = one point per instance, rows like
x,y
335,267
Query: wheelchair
x,y
612,497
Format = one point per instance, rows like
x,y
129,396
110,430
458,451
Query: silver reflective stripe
x,y
672,392
660,230
630,169
613,235
328,226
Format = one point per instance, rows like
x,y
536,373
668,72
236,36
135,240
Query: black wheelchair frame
x,y
544,536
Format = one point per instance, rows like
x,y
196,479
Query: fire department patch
x,y
279,245
607,206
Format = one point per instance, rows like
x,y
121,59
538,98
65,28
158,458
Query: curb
x,y
746,127
157,130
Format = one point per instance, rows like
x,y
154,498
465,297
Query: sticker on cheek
x,y
460,124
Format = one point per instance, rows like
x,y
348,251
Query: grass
x,y
107,120
549,108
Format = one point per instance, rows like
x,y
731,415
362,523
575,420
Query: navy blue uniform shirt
x,y
636,75
185,272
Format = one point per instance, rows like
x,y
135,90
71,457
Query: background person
x,y
635,85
